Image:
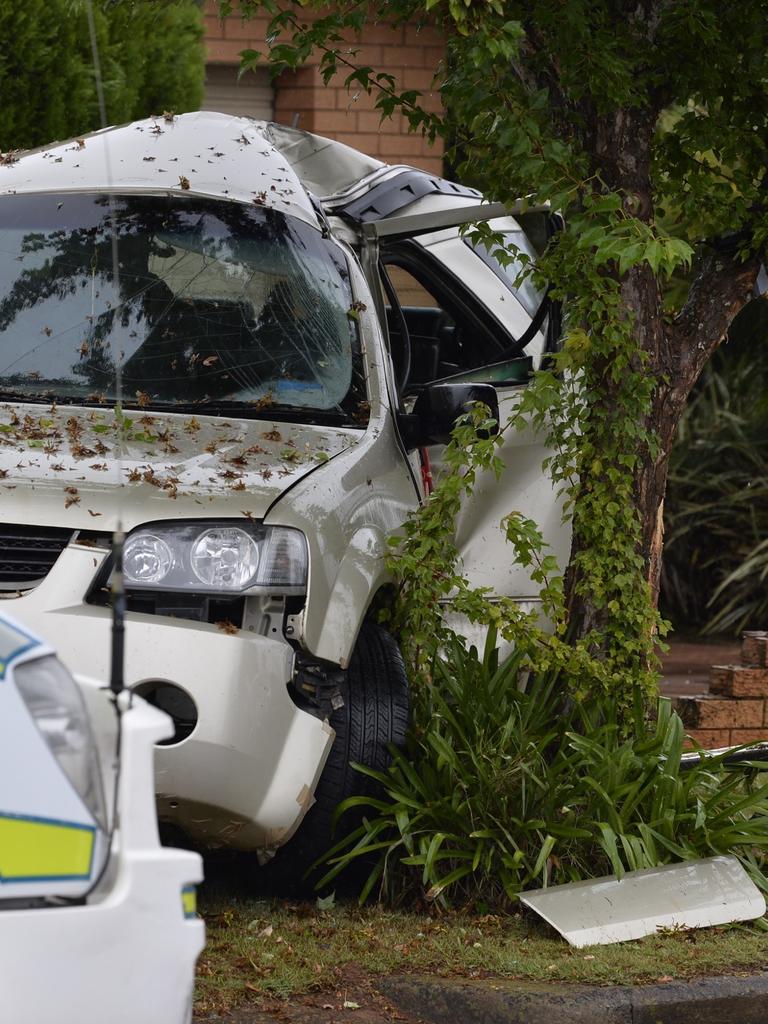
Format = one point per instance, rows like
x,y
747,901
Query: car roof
x,y
359,186
202,154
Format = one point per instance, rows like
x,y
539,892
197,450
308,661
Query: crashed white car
x,y
97,920
274,302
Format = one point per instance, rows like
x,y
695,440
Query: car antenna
x,y
117,669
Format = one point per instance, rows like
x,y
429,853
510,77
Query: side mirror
x,y
438,407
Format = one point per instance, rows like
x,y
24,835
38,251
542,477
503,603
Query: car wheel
x,y
375,714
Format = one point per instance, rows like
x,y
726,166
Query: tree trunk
x,y
676,352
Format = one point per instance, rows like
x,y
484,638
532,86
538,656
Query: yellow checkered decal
x,y
189,901
42,849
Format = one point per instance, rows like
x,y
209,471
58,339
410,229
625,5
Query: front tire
x,y
375,714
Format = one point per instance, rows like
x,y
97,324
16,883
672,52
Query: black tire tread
x,y
375,713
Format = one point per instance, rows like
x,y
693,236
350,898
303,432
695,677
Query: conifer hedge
x,y
152,60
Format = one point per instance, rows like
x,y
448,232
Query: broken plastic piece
x,y
694,894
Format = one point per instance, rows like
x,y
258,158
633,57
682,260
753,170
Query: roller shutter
x,y
251,96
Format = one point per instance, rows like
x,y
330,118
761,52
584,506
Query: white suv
x,y
275,303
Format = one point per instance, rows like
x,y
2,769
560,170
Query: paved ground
x,y
685,668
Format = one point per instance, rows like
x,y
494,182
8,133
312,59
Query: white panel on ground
x,y
694,894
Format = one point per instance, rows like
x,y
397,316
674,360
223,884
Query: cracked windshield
x,y
218,307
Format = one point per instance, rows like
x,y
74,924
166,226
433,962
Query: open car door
x,y
452,313
466,322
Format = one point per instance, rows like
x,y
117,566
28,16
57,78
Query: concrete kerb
x,y
722,1000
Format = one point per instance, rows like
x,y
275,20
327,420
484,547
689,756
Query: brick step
x,y
722,712
738,681
713,739
754,649
736,708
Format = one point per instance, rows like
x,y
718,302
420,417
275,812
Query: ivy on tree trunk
x,y
646,123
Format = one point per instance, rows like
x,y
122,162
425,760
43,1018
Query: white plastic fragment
x,y
693,894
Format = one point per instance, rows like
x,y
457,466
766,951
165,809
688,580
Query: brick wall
x,y
408,52
736,708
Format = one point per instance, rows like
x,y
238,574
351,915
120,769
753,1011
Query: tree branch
x,y
721,289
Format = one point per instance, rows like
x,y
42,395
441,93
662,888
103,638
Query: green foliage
x,y
716,548
151,57
647,127
424,562
504,788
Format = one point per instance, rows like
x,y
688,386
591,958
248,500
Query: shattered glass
x,y
219,307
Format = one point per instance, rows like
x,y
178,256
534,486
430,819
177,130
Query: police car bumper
x,y
127,951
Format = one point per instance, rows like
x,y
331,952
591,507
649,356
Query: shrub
x,y
151,58
716,546
503,788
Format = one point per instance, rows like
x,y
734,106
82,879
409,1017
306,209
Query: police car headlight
x,y
216,557
56,705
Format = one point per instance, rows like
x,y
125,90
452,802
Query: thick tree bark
x,y
676,352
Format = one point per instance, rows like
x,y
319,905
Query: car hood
x,y
87,468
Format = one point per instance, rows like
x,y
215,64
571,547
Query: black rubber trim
x,y
400,191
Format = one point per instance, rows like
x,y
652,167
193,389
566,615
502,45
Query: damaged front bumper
x,y
244,775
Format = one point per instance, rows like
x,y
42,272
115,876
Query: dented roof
x,y
201,153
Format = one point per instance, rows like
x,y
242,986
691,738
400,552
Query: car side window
x,y
443,338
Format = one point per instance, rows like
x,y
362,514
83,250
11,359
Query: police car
x,y
97,920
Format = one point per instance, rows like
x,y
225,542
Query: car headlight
x,y
56,705
216,557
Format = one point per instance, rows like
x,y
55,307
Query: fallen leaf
x,y
349,1005
184,181
326,902
231,629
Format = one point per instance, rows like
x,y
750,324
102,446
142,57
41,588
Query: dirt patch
x,y
354,1000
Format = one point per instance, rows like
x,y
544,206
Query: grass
x,y
267,949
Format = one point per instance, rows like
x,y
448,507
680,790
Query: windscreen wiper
x,y
251,411
11,395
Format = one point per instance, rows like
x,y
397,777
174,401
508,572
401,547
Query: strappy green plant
x,y
503,787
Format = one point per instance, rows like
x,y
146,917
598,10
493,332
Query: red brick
x,y
418,78
405,57
427,35
434,55
748,736
328,121
754,648
720,713
710,739
379,32
213,27
737,681
432,165
364,55
366,143
317,98
355,97
402,145
303,78
224,51
252,33
370,121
